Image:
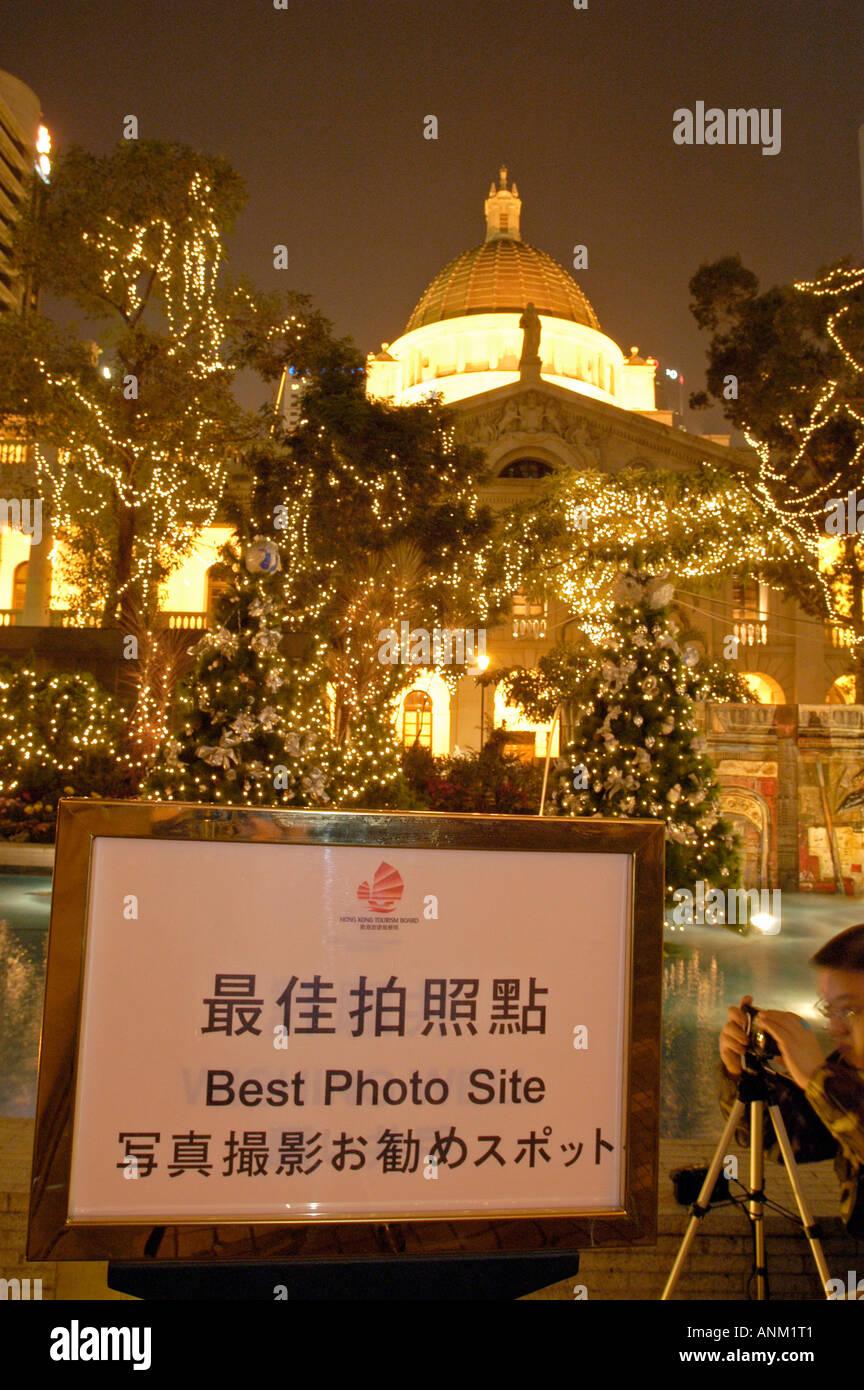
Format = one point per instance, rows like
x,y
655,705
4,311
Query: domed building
x,y
465,335
509,339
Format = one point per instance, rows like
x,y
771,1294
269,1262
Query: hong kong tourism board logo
x,y
387,888
379,895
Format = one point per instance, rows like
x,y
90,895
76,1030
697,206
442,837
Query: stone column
x,y
37,599
786,731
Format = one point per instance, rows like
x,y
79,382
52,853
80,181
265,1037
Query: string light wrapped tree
x,y
786,366
143,436
377,513
60,735
137,435
573,540
634,746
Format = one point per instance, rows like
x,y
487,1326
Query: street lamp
x,y
674,375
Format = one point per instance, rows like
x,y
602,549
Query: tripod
x,y
753,1090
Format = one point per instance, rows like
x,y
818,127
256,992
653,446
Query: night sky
x,y
320,107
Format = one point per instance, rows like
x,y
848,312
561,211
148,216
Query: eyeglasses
x,y
843,1013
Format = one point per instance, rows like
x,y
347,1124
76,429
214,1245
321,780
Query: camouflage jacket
x,y
825,1121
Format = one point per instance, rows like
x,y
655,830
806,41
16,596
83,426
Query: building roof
x,y
502,275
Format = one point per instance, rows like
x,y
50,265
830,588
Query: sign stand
x,y
347,1055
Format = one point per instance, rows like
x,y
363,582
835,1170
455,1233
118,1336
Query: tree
x,y
634,748
572,542
376,511
60,734
787,368
135,241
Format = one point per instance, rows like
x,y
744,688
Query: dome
x,y
502,275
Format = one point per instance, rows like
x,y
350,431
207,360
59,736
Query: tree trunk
x,y
123,597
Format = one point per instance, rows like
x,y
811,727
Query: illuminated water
x,y
24,910
705,969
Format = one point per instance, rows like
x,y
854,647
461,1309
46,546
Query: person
x,y
821,1098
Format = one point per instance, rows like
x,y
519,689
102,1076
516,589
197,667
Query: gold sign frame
x,y
51,1235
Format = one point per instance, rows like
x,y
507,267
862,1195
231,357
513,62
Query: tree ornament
x,y
262,556
659,594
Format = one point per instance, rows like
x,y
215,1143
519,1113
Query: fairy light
x,y
798,507
53,728
574,541
170,481
349,593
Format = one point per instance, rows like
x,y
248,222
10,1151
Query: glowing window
x,y
19,585
417,720
526,468
842,692
766,690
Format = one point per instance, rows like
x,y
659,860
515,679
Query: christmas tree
x,y
635,749
249,721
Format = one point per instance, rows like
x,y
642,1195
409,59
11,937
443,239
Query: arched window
x,y
417,719
527,468
19,585
842,692
217,585
766,689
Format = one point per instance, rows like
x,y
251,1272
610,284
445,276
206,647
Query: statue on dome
x,y
531,328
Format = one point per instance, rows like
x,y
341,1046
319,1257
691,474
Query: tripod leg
x,y
703,1201
811,1230
756,1195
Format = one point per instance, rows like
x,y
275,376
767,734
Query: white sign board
x,y
329,1032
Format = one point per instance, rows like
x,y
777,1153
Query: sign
x,y
299,1019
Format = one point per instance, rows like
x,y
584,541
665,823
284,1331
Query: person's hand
x,y
733,1039
799,1049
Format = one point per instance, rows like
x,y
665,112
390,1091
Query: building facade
x,y
790,766
24,148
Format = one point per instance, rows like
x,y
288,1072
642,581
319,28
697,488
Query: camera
x,y
759,1043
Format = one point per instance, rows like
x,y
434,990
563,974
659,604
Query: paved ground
x,y
717,1267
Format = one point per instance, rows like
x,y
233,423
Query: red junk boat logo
x,y
387,888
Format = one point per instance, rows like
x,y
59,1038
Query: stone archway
x,y
752,814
